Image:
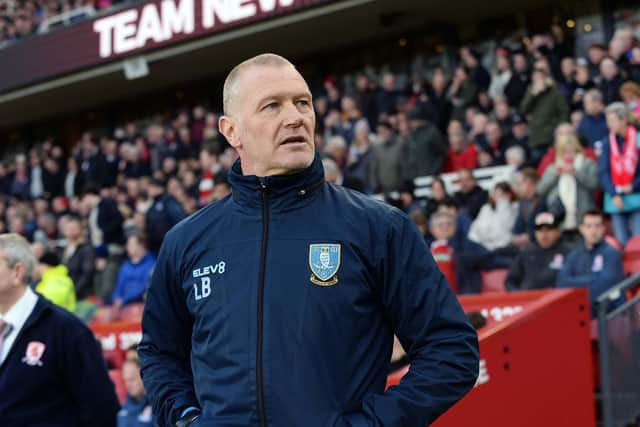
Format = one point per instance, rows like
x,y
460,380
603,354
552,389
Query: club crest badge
x,y
33,355
324,261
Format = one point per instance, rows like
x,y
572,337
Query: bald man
x,y
277,305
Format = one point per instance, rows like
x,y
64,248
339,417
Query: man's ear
x,y
227,127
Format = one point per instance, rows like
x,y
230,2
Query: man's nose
x,y
292,116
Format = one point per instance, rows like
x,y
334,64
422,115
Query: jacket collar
x,y
283,191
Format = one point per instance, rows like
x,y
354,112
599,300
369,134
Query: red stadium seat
x,y
118,382
114,358
493,280
132,312
631,255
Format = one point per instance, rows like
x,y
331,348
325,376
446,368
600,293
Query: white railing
x,y
66,18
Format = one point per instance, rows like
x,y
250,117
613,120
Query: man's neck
x,y
8,301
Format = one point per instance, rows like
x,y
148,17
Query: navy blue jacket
x,y
596,269
594,128
237,323
68,386
136,413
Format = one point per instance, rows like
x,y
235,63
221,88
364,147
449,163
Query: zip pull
x,y
264,183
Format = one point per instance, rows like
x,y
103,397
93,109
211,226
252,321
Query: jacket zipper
x,y
263,261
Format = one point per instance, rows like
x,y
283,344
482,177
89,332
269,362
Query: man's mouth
x,y
294,140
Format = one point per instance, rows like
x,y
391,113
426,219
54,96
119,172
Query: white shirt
x,y
16,318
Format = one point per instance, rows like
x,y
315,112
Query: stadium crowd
x,y
549,115
96,215
21,18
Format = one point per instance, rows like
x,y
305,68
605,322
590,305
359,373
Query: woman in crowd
x,y
619,174
568,184
492,227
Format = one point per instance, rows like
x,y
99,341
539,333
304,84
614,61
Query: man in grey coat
x,y
425,151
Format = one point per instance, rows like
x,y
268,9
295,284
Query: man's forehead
x,y
272,77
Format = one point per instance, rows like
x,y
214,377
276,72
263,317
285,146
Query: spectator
x,y
462,154
438,195
424,151
462,93
597,52
594,265
210,167
569,183
611,81
492,227
387,95
20,187
136,410
471,196
134,274
73,182
567,83
53,372
494,144
336,148
519,82
55,283
546,107
479,75
349,118
438,103
502,74
593,125
459,250
619,173
361,156
365,99
78,257
582,84
537,266
387,160
163,214
630,93
91,162
530,204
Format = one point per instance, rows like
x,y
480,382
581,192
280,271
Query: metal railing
x,y
619,347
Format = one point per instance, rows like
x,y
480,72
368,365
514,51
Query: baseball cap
x,y
546,219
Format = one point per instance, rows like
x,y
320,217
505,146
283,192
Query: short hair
x,y
338,141
592,212
619,109
515,151
265,59
530,174
595,95
16,249
140,238
438,215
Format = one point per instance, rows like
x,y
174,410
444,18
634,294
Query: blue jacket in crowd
x,y
136,413
133,279
63,384
277,306
596,269
594,128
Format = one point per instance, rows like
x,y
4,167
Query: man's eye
x,y
302,103
271,106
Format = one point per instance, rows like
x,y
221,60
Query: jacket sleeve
x,y
514,278
612,273
429,322
569,278
87,379
587,175
548,181
87,268
165,349
604,171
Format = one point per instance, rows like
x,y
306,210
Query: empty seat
x,y
493,280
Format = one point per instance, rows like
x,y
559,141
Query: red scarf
x,y
623,165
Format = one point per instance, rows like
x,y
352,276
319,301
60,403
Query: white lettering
x,y
149,27
210,269
242,9
206,286
127,339
109,342
104,27
213,8
179,19
195,292
483,375
124,32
